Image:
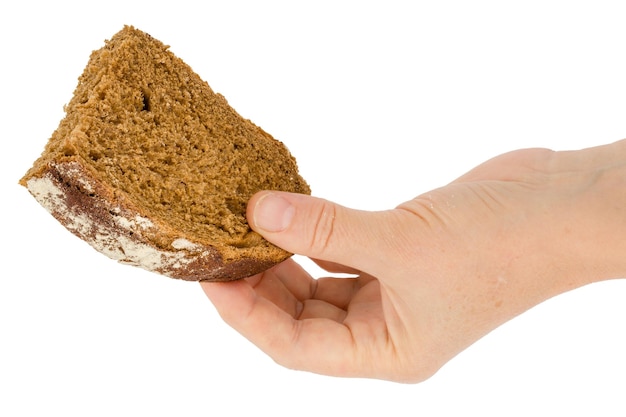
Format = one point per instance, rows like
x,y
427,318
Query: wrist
x,y
594,207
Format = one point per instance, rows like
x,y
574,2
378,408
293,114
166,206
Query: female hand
x,y
434,274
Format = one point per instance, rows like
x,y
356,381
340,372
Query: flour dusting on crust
x,y
110,229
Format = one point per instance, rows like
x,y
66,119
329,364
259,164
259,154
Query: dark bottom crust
x,y
83,206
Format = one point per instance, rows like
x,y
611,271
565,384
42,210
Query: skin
x,y
435,274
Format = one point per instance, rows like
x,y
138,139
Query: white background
x,y
379,102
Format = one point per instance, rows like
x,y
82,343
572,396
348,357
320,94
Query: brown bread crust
x,y
112,226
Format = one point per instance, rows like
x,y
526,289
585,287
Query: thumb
x,y
323,230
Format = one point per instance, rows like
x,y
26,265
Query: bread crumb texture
x,y
154,169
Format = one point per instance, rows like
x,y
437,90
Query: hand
x,y
434,274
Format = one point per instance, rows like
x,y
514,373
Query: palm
x,y
284,310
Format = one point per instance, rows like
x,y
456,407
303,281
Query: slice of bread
x,y
154,169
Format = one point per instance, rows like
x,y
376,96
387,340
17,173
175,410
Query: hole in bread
x,y
249,240
95,155
146,100
235,206
69,151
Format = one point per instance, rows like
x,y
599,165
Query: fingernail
x,y
273,213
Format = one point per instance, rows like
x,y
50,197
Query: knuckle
x,y
324,227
